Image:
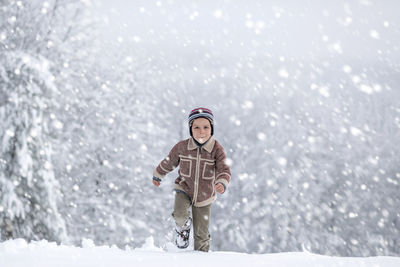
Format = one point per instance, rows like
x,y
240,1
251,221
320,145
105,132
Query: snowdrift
x,y
19,253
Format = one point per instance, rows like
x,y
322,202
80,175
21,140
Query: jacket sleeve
x,y
168,164
223,172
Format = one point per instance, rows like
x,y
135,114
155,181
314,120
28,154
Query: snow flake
x,y
373,160
374,34
366,89
355,131
12,20
353,215
346,68
249,24
377,88
283,73
356,79
10,133
33,132
260,24
243,176
337,48
3,36
47,165
247,104
58,124
68,168
132,136
228,161
306,185
392,181
363,187
311,139
386,23
282,161
261,136
75,187
314,86
194,15
354,241
385,213
136,39
324,91
218,13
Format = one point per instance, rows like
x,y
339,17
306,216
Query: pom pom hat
x,y
201,113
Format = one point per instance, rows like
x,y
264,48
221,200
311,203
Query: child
x,y
202,171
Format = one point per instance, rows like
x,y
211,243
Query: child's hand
x,y
220,188
156,181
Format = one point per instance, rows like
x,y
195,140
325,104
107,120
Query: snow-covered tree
x,y
34,35
29,190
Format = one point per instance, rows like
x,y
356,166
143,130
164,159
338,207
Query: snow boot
x,y
182,234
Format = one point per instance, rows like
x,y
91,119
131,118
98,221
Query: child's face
x,y
201,129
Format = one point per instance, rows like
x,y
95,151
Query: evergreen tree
x,y
29,192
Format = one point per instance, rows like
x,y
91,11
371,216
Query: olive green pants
x,y
201,220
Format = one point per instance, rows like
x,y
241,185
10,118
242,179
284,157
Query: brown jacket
x,y
200,168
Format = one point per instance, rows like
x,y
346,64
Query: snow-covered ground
x,y
18,253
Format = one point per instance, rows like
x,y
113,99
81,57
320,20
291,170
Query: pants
x,y
201,220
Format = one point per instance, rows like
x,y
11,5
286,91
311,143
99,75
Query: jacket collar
x,y
208,146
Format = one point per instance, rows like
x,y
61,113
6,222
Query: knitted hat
x,y
201,113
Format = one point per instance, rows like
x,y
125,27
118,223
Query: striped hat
x,y
201,113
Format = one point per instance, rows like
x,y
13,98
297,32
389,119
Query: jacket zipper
x,y
196,177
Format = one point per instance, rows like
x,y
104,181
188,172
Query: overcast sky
x,y
361,28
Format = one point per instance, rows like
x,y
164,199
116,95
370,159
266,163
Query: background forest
x,y
306,103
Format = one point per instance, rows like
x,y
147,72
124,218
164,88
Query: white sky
x,y
289,28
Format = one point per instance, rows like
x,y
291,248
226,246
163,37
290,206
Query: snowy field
x,y
18,253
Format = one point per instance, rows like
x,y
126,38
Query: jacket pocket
x,y
185,167
208,170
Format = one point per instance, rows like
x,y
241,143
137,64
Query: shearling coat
x,y
200,169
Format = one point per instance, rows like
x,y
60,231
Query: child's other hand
x,y
220,188
156,181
